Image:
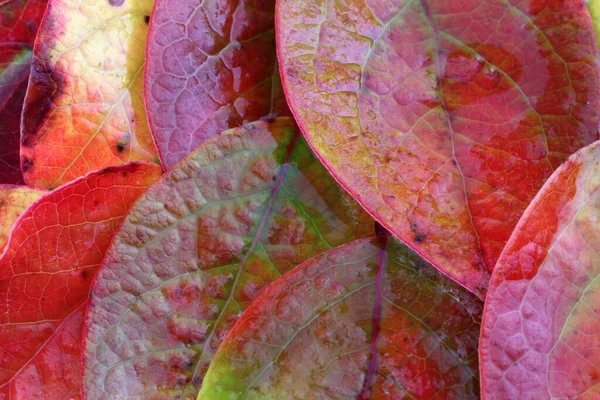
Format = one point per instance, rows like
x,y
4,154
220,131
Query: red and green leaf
x,y
19,20
540,329
202,243
211,67
366,320
84,107
13,201
443,118
45,273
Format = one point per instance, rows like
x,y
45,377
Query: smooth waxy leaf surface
x,y
443,118
211,67
541,327
245,207
45,272
368,319
19,21
13,201
84,107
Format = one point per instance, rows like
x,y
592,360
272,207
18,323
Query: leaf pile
x,y
299,199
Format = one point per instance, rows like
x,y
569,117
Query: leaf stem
x,y
383,236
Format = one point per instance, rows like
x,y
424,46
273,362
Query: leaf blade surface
x,y
200,245
84,107
53,252
443,118
13,201
539,320
211,67
19,21
311,334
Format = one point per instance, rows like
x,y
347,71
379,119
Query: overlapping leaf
x,y
19,20
366,320
84,107
13,201
443,118
594,9
541,327
245,207
45,273
211,67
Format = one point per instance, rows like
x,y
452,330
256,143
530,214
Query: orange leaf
x,y
84,108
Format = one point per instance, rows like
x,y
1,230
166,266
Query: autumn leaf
x,y
594,9
443,118
211,67
45,273
540,320
245,207
13,201
84,108
19,21
366,320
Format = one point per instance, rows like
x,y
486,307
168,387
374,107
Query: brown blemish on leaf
x,y
27,164
44,84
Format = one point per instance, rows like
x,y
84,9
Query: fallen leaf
x,y
442,118
19,21
211,67
13,201
367,320
84,107
45,274
540,328
245,207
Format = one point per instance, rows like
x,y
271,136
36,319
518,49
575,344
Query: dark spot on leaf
x,y
147,19
45,84
419,236
292,72
125,173
454,162
274,178
27,164
116,3
96,202
84,274
120,147
197,380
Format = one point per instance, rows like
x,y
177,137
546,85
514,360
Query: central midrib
x,y
256,239
438,67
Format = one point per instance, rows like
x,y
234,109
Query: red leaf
x,y
540,329
368,319
13,201
245,207
84,107
19,20
443,118
211,67
45,273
